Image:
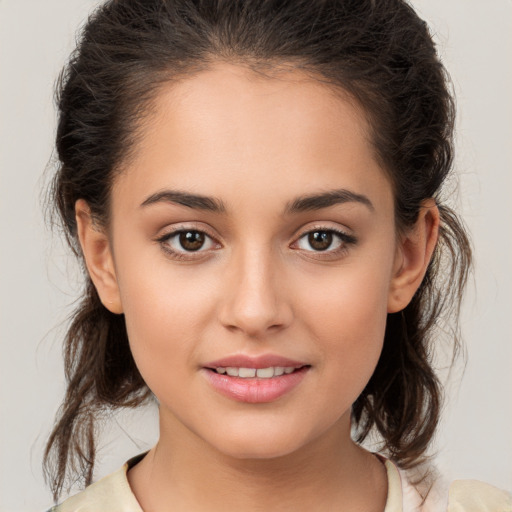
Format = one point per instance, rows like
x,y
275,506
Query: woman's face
x,y
254,229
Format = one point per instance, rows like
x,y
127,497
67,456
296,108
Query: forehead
x,y
242,102
230,128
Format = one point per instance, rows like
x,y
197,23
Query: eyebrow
x,y
196,201
326,199
298,205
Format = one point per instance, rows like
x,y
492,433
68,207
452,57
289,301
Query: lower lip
x,y
255,391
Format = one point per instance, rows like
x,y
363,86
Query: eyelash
x,y
344,239
183,255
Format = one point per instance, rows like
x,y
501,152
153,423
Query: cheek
x,y
165,312
347,318
349,301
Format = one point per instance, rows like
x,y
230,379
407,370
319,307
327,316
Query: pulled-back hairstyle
x,y
377,51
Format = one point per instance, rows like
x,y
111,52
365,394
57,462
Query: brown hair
x,y
382,54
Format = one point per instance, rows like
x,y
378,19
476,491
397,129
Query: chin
x,y
251,451
258,443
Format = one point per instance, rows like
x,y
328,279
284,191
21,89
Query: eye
x,y
187,241
324,240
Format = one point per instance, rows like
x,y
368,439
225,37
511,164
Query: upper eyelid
x,y
164,241
181,228
322,227
345,237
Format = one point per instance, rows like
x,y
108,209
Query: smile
x,y
257,383
260,373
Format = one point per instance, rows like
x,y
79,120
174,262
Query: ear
x,y
98,257
413,255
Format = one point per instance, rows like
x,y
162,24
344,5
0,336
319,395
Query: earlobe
x,y
413,256
98,257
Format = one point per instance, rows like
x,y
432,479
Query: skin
x,y
257,286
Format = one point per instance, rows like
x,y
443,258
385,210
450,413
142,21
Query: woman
x,y
255,190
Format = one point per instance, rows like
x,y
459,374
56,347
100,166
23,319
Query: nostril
x,y
255,311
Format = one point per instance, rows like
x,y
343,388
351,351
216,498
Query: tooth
x,y
246,372
289,369
278,370
221,370
265,373
231,371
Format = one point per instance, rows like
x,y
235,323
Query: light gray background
x,y
38,283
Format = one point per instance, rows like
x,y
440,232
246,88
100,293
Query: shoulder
x,y
112,492
433,493
476,496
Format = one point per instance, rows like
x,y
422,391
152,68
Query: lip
x,y
255,390
258,362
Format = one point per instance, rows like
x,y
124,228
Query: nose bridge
x,y
253,301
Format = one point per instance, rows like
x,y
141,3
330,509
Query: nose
x,y
254,298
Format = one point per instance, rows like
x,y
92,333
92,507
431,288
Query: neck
x,y
183,473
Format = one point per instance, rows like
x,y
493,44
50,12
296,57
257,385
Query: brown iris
x,y
320,240
191,240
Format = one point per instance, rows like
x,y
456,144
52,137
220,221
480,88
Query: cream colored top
x,y
113,494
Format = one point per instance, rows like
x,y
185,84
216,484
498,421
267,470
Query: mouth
x,y
258,380
258,373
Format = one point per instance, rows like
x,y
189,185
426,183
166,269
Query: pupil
x,y
320,240
192,240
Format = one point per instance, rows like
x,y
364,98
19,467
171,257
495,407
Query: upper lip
x,y
262,361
